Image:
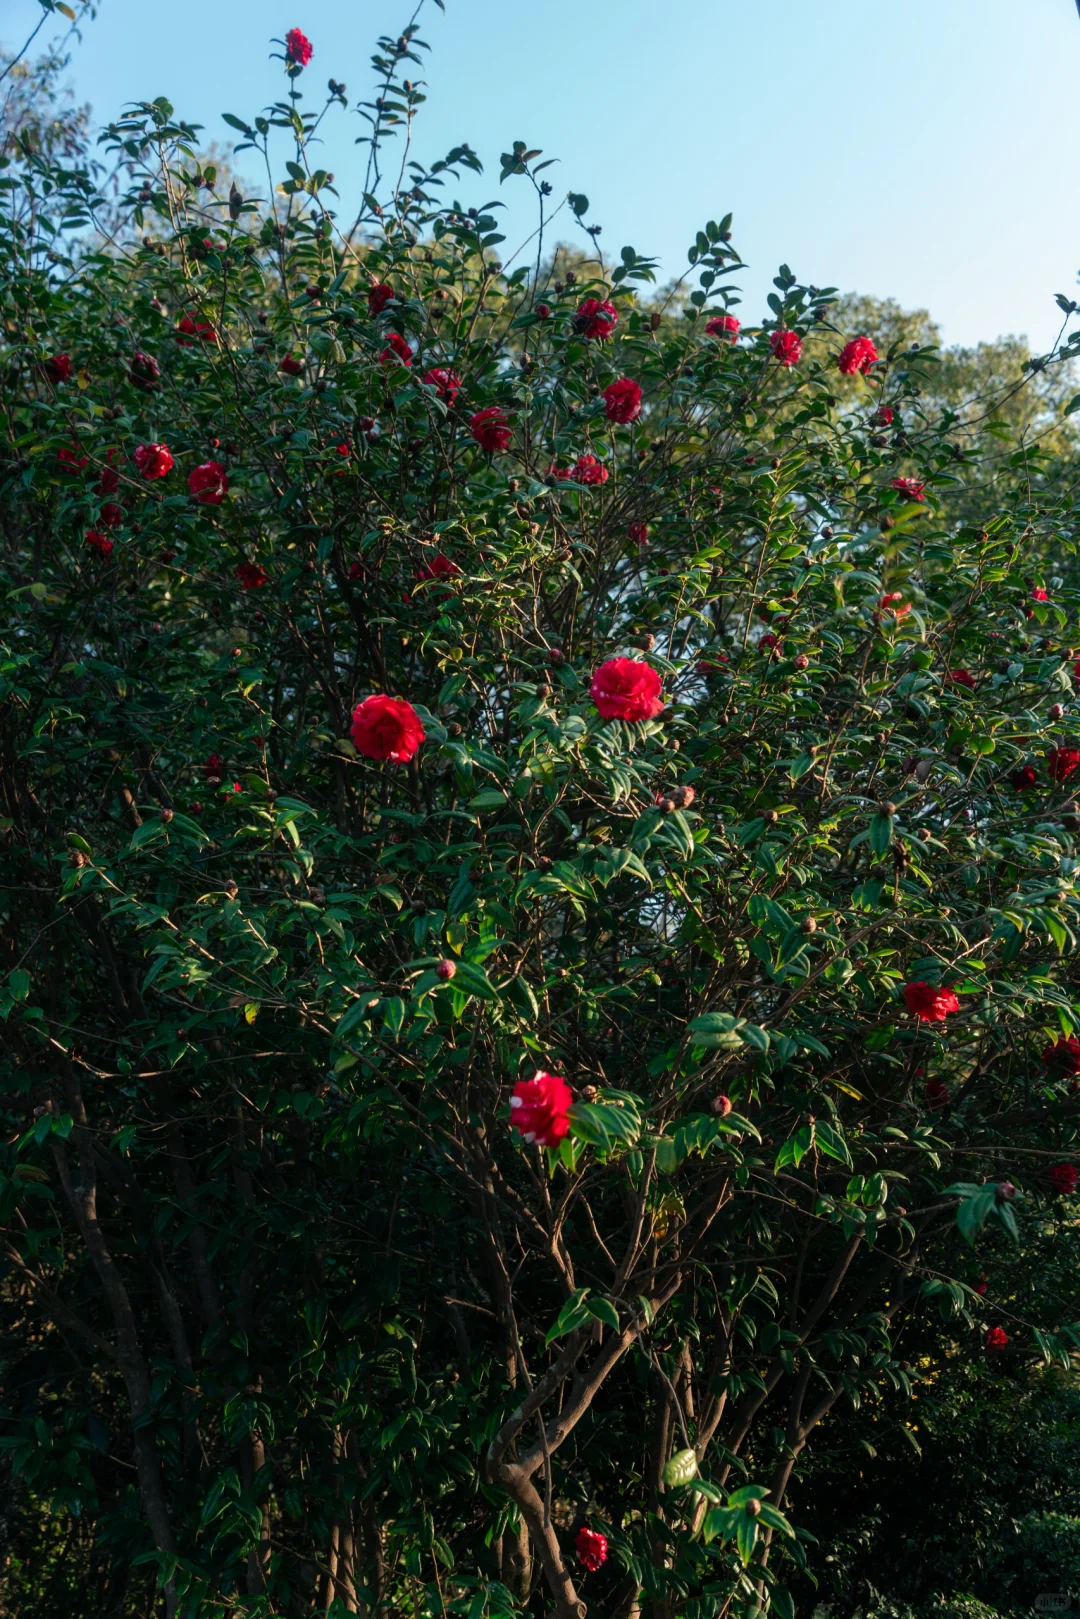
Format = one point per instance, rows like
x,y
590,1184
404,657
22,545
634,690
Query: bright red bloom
x,y
298,50
591,1549
112,515
982,1284
447,384
937,1094
595,319
58,368
858,355
1062,1178
398,351
490,428
379,296
1024,779
212,768
768,642
343,450
928,1003
96,541
996,1338
587,469
209,483
723,326
910,487
1061,762
1063,1055
143,369
622,401
1040,595
639,533
109,481
251,575
540,1109
71,460
626,689
893,602
556,474
386,728
883,416
715,665
962,677
189,328
440,567
154,460
786,347
291,366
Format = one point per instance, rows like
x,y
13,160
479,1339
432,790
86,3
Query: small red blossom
x,y
726,326
556,474
154,460
1039,594
622,401
112,515
540,1109
996,1338
588,470
251,576
595,319
911,488
291,366
591,1549
386,728
1062,1178
962,677
71,460
191,327
440,567
883,416
212,768
786,347
144,369
379,296
1062,762
109,480
490,428
58,368
981,1285
96,541
929,1003
893,602
626,689
858,355
209,483
716,665
357,571
1024,779
1063,1055
397,352
298,49
768,642
447,384
639,533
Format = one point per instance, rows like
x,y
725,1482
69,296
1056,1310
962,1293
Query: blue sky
x,y
925,150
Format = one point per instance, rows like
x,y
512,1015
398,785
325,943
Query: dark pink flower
x,y
962,677
883,416
595,319
540,1108
858,355
639,533
298,51
996,1338
910,488
622,401
1063,1055
190,327
58,368
291,366
786,347
144,369
96,541
379,296
587,469
71,460
626,689
154,460
1062,762
251,576
928,1003
490,428
209,483
398,352
440,567
1023,780
723,326
386,728
591,1549
1062,1178
447,384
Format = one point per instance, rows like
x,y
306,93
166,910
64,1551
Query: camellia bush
x,y
539,888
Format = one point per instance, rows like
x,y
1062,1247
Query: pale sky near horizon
x,y
926,151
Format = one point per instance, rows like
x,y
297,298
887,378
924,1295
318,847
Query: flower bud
x,y
721,1106
1005,1191
445,969
808,925
802,661
165,816
1056,711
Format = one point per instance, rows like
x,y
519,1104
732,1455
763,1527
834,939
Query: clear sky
x,y
925,150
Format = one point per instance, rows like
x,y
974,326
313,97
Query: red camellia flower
x,y
786,347
929,1004
883,416
58,368
937,1094
490,428
595,319
982,1284
440,567
858,355
768,642
398,351
893,602
1024,778
109,481
291,366
144,369
626,689
1062,1178
386,728
639,533
962,677
112,515
71,460
1040,595
379,296
96,541
251,576
447,384
910,487
555,474
591,1549
587,469
723,326
1062,762
622,401
540,1108
1063,1055
209,483
189,328
298,50
154,460
996,1338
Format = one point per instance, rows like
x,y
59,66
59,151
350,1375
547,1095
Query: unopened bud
x,y
445,970
721,1106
